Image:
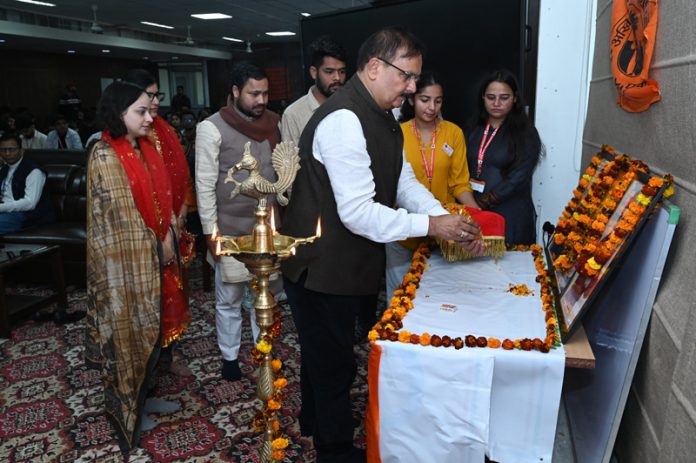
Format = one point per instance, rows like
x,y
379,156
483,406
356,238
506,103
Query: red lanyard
x,y
429,169
483,147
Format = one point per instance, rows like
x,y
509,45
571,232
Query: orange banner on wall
x,y
633,33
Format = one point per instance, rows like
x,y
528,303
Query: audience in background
x,y
70,103
180,101
24,200
32,139
63,137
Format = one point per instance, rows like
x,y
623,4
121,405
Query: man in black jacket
x,y
24,200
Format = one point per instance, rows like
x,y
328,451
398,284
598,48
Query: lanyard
x,y
483,147
429,169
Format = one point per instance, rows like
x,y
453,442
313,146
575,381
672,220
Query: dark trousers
x,y
325,325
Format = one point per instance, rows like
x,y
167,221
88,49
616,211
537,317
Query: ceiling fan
x,y
95,28
188,40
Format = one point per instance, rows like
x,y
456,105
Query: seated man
x,y
24,202
32,139
63,137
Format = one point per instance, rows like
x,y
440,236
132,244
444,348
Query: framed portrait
x,y
614,198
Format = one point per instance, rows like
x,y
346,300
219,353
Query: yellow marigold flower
x,y
389,312
404,336
273,404
280,383
372,335
643,200
593,264
551,322
425,339
279,443
669,191
276,364
264,347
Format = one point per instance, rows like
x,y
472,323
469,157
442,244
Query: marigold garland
x,y
389,327
272,407
579,238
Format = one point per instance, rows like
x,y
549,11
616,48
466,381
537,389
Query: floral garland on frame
x,y
579,239
389,328
272,406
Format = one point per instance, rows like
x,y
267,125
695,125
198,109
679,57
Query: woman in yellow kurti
x,y
436,149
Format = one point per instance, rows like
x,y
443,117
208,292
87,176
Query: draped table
x,y
446,405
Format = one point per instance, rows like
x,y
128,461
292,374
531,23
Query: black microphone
x,y
548,228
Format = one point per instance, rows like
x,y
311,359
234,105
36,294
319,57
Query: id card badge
x,y
448,149
477,185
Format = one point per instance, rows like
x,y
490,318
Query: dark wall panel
x,y
465,39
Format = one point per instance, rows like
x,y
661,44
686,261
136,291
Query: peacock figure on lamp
x,y
261,252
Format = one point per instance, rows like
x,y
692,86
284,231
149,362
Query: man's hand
x,y
212,246
458,228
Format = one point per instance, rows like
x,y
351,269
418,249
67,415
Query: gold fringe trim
x,y
175,334
495,247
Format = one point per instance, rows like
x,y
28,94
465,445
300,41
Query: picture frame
x,y
614,198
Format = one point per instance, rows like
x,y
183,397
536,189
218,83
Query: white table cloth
x,y
446,405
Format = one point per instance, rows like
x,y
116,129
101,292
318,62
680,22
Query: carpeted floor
x,y
51,404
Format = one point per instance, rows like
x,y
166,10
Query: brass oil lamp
x,y
261,253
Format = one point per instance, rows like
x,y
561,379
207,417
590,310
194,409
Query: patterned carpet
x,y
51,404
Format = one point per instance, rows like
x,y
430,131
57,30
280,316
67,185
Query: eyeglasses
x,y
152,95
8,150
405,75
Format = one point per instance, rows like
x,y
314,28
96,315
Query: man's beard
x,y
326,90
247,112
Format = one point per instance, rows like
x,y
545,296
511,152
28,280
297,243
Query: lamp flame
x,y
273,228
318,232
218,246
292,251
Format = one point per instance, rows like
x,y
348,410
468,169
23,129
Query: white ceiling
x,y
121,18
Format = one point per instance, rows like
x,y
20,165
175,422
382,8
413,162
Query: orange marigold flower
x,y
493,343
280,383
425,339
273,404
656,182
559,238
279,443
404,336
275,425
278,455
598,226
